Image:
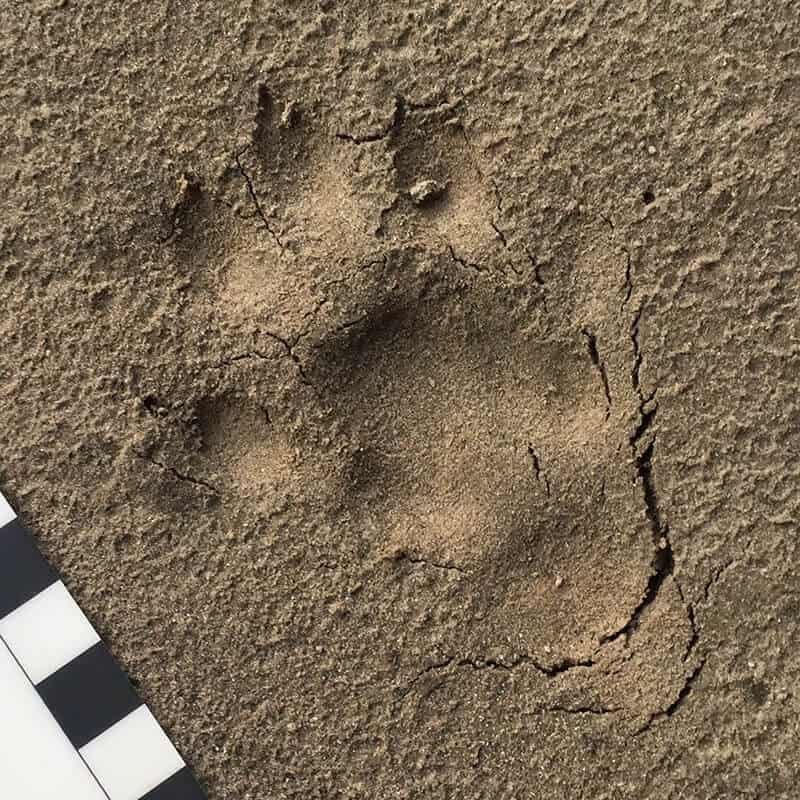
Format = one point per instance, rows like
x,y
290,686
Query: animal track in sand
x,y
240,441
482,446
255,457
308,205
485,449
431,145
311,206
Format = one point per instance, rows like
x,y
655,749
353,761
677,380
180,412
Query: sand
x,y
407,392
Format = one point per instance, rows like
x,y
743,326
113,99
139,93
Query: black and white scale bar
x,y
71,725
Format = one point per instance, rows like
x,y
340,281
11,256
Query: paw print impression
x,y
444,199
309,206
242,440
253,455
483,448
312,205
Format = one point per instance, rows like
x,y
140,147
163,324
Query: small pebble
x,y
425,191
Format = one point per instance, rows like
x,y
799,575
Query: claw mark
x,y
608,221
500,235
189,194
537,268
537,275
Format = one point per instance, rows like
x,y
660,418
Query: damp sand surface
x,y
408,392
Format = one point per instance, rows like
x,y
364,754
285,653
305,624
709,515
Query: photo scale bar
x,y
64,701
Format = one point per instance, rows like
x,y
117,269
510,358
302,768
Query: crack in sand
x,y
449,664
464,263
594,354
594,710
538,470
394,124
679,700
428,563
284,343
435,667
637,354
478,664
230,360
663,561
695,635
498,199
647,412
181,476
256,202
628,280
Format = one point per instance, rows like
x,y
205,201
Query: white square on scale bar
x,y
132,757
47,632
6,512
